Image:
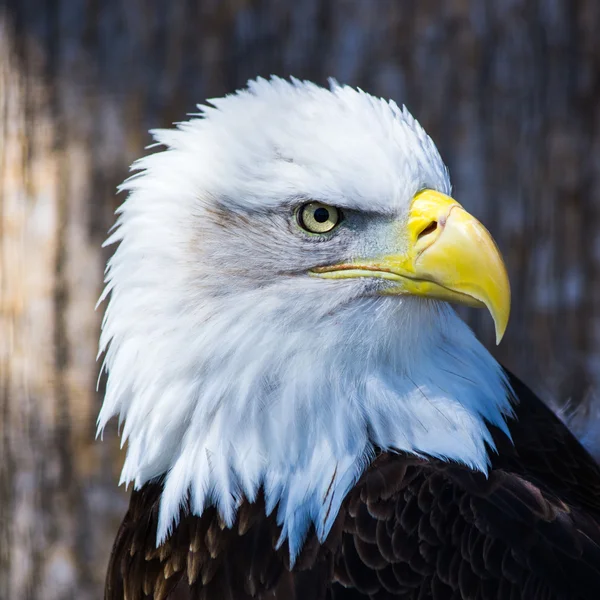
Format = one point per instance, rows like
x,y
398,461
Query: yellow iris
x,y
317,217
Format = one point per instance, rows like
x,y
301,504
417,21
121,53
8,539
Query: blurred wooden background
x,y
509,89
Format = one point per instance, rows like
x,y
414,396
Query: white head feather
x,y
230,367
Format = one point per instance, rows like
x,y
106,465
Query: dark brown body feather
x,y
410,529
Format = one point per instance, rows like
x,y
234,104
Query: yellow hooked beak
x,y
447,254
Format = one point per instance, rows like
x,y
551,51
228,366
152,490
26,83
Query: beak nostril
x,y
429,229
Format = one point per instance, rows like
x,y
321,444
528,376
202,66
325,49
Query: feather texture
x,y
411,528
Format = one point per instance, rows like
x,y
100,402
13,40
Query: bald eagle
x,y
305,415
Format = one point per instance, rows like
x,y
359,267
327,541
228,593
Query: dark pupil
x,y
321,215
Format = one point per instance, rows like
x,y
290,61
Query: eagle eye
x,y
316,217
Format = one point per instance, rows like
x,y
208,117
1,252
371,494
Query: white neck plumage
x,y
257,391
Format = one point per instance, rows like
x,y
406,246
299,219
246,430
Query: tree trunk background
x,y
509,90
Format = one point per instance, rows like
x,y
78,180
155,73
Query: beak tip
x,y
500,326
500,308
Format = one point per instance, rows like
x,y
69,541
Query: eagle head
x,y
278,306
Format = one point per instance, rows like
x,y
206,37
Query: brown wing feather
x,y
454,533
411,528
530,530
204,560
